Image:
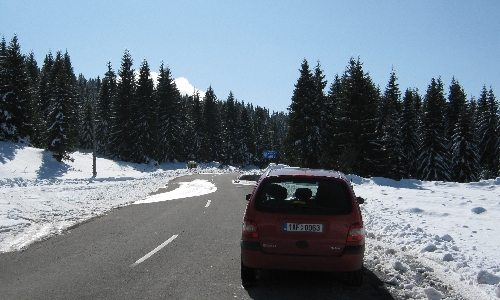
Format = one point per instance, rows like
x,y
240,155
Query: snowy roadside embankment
x,y
35,209
40,197
433,239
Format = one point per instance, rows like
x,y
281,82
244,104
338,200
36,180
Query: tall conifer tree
x,y
261,130
121,126
15,101
389,127
465,155
171,124
231,121
434,151
85,114
330,157
318,118
488,134
462,134
144,123
194,134
301,133
212,127
62,122
42,105
358,139
246,136
410,133
107,97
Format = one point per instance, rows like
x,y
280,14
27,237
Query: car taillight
x,y
250,228
356,233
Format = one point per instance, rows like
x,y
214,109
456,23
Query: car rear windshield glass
x,y
304,196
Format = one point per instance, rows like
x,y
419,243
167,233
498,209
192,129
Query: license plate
x,y
303,227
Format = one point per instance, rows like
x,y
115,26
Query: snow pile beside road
x,y
433,239
40,197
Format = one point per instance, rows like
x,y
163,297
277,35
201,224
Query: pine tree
x,y
15,101
62,123
33,73
358,140
42,106
32,68
389,127
241,154
245,135
303,135
319,118
456,101
465,163
261,130
279,128
488,133
211,128
434,151
193,135
461,131
4,93
330,156
85,114
5,128
88,111
231,121
170,127
107,97
121,122
144,124
410,133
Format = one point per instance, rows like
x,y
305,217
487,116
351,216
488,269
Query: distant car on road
x,y
303,219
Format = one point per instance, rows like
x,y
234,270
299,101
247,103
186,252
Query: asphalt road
x,y
179,249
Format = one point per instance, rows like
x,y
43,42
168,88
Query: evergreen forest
x,y
351,125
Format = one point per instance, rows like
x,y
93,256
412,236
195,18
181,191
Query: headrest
x,y
303,193
277,191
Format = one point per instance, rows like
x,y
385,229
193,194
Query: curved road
x,y
179,249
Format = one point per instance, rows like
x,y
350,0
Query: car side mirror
x,y
360,200
248,197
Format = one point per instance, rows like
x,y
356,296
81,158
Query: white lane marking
x,y
208,203
154,251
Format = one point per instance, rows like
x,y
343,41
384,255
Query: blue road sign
x,y
269,154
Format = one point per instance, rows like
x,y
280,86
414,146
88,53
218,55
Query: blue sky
x,y
255,48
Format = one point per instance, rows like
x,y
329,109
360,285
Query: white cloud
x,y
182,84
187,88
154,76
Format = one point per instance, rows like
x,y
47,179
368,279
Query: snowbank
x,y
442,234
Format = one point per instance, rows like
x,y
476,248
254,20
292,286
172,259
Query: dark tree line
x,y
350,125
357,128
125,115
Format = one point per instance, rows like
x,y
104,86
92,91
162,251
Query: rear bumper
x,y
253,257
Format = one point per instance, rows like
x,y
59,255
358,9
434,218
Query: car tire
x,y
248,275
355,278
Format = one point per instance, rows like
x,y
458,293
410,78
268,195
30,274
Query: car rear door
x,y
291,234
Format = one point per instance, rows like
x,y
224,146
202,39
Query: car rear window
x,y
304,196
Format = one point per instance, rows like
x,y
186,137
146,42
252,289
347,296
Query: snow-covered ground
x,y
432,240
40,197
442,234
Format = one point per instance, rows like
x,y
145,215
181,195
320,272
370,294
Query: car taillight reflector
x,y
356,233
250,228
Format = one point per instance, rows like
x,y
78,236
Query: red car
x,y
303,219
